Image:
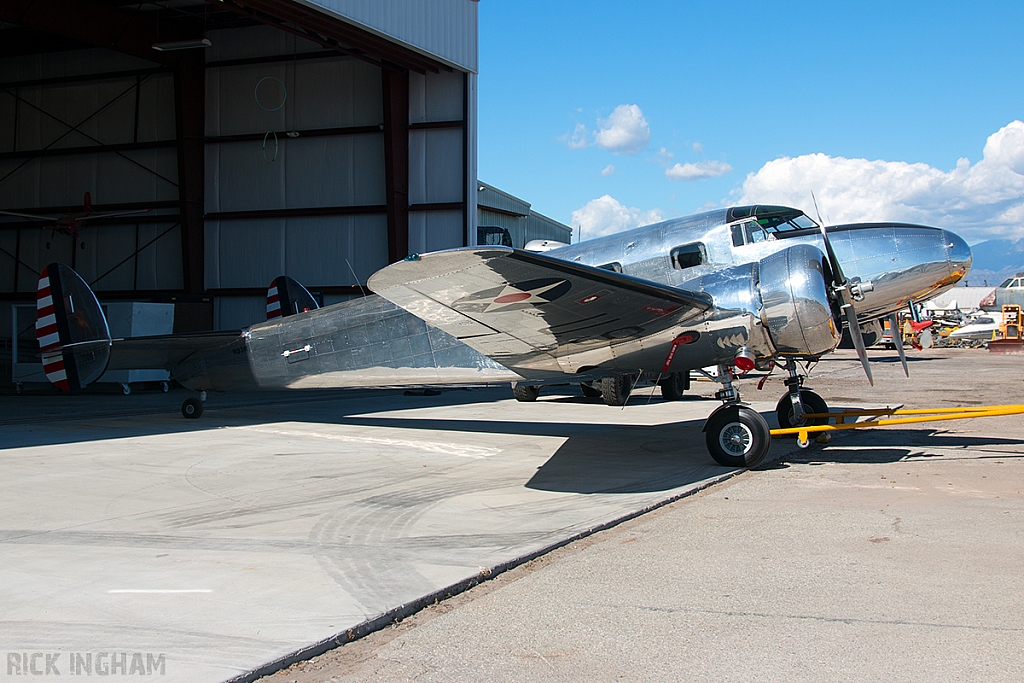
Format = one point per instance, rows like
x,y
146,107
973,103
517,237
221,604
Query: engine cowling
x,y
796,308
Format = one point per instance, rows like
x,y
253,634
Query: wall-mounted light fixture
x,y
182,45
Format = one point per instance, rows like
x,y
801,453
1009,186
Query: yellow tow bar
x,y
922,415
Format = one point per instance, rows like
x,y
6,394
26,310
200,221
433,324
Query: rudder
x,y
287,297
71,330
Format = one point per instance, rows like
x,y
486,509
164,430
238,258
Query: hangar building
x,y
322,139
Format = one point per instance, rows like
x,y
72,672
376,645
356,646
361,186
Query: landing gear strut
x,y
736,434
798,402
192,408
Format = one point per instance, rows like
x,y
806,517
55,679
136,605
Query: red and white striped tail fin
x,y
287,297
71,330
273,302
47,334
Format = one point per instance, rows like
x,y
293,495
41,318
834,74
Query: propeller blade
x,y
837,271
858,341
897,340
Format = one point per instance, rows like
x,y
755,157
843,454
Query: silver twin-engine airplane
x,y
739,288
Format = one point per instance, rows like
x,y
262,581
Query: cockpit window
x,y
748,232
688,256
786,222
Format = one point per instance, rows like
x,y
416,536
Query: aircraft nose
x,y
958,253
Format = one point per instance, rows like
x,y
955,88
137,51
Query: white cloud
x,y
607,171
698,148
698,171
626,131
606,215
664,155
979,202
578,139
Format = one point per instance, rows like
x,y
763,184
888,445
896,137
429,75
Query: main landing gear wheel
x,y
737,436
524,393
192,408
589,390
812,403
615,390
673,386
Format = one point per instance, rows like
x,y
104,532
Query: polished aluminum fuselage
x,y
768,297
903,262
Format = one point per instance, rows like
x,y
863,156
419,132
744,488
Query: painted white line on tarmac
x,y
158,590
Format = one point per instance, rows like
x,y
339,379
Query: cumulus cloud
x,y
626,131
578,139
980,201
698,171
606,215
607,171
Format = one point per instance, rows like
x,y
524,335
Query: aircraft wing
x,y
94,216
27,215
163,352
525,309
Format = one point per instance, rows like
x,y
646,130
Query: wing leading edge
x,y
531,311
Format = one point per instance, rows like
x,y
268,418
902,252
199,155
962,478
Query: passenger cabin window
x,y
688,256
614,265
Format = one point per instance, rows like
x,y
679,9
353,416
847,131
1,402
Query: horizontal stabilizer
x,y
71,330
164,352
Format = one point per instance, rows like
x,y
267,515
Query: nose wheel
x,y
785,411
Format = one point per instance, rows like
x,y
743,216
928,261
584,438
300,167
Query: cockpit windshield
x,y
784,223
772,219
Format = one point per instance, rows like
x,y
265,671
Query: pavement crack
x,y
828,620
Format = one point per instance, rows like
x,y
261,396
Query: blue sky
x,y
610,113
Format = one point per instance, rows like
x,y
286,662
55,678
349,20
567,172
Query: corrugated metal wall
x,y
94,110
498,208
284,173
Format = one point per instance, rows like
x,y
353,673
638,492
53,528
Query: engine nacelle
x,y
796,308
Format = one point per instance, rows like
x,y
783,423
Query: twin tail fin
x,y
287,297
70,328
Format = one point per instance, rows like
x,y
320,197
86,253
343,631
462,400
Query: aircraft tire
x,y
812,404
525,393
192,408
615,390
673,386
737,436
589,390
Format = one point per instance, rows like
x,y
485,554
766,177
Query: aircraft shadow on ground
x,y
593,458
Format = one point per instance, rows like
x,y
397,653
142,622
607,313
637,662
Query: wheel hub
x,y
736,438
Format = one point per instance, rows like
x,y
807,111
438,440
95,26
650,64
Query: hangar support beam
x,y
396,160
190,123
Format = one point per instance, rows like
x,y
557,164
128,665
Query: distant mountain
x,y
994,261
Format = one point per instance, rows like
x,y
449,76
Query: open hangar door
x,y
295,142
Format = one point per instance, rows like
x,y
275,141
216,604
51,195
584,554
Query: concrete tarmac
x,y
135,541
891,554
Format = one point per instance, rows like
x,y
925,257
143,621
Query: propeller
x,y
897,340
841,288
